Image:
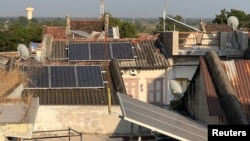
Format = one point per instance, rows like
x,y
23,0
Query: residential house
x,y
63,101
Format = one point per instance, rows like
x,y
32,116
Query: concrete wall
x,y
85,119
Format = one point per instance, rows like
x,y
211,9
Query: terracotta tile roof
x,y
58,33
87,25
218,28
148,56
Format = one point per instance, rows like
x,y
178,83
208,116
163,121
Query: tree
x,y
21,31
126,29
169,26
243,18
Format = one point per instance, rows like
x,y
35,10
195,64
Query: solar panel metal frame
x,y
161,120
79,52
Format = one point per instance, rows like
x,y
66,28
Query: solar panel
x,y
122,51
62,76
100,51
78,52
38,77
65,77
89,76
161,120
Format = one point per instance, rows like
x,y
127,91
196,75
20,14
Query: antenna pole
x,y
101,8
164,16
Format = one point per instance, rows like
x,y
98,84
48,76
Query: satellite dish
x,y
233,22
36,58
176,88
23,51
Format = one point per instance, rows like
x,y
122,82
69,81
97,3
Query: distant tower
x,y
101,8
29,11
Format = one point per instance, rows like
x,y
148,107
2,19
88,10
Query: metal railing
x,y
64,133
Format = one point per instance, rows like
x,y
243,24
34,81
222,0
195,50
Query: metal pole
x,y
69,133
131,133
139,133
164,16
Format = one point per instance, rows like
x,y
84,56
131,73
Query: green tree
x,y
21,31
241,15
126,29
169,26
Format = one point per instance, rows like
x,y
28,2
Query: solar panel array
x,y
100,51
65,77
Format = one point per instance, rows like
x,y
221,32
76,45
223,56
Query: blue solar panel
x,y
89,76
100,51
38,77
78,52
62,76
122,51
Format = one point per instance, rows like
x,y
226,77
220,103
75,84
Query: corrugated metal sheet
x,y
214,107
238,72
58,52
71,96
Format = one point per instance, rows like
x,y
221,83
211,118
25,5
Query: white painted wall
x,y
184,71
178,72
142,77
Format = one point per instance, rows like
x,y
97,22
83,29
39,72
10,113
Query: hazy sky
x,y
122,8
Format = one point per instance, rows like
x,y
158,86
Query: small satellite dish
x,y
36,58
233,22
23,51
175,87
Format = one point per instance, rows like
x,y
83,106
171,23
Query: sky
x,y
122,8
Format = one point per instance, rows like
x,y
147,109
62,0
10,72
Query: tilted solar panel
x,y
78,52
122,51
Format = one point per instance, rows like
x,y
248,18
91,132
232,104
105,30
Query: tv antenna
x,y
164,16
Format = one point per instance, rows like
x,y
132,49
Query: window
x,y
155,90
131,86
